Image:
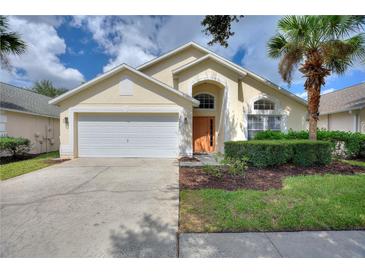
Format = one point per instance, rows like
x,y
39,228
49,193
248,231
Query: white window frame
x,y
214,101
277,111
265,122
265,101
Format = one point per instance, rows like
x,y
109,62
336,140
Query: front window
x,y
206,101
264,104
257,123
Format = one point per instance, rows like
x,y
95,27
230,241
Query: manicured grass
x,y
354,162
11,170
304,203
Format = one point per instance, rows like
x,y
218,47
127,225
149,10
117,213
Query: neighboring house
x,y
24,113
343,109
187,100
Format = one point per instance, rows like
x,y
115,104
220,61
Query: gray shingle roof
x,y
346,99
20,99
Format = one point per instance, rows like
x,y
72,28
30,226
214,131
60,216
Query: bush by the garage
x,y
345,144
15,146
263,153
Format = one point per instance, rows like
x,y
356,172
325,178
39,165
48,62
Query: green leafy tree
x,y
318,46
46,87
10,43
219,27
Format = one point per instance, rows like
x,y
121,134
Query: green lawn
x,y
304,203
354,162
18,168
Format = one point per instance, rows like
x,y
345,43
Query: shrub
x,y
308,153
212,170
350,144
233,166
16,146
263,153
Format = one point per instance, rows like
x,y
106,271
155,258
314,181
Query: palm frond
x,y
10,43
341,54
289,61
341,26
276,46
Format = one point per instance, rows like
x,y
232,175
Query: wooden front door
x,y
203,134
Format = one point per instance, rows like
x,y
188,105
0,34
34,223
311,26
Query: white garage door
x,y
127,136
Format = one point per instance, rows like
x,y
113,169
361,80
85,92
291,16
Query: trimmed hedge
x,y
14,145
263,153
354,142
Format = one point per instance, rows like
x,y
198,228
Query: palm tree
x,y
319,46
10,43
46,87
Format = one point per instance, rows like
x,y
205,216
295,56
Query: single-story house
x,y
24,113
343,109
187,100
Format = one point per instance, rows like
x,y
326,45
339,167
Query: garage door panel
x,y
137,141
139,152
161,131
128,136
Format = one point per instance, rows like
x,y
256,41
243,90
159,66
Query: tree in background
x,y
45,87
10,43
219,26
319,46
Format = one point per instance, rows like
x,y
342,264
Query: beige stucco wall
x,y
343,121
163,69
106,95
242,92
43,132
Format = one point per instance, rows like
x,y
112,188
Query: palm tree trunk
x,y
313,106
315,73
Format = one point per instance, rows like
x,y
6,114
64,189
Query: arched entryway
x,y
208,129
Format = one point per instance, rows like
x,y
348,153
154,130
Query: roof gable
x,y
115,71
226,62
170,54
220,61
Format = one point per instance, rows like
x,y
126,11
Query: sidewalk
x,y
314,244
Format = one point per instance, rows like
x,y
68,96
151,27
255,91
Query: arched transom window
x,y
206,100
262,119
264,104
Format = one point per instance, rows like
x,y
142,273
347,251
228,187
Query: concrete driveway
x,y
100,207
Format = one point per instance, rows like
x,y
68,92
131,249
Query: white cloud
x,y
138,39
126,39
40,61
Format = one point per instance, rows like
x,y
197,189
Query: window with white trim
x,y
263,104
206,101
257,123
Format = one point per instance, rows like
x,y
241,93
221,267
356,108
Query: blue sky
x,y
72,49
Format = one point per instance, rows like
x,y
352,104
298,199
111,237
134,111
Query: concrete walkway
x,y
212,159
100,207
319,244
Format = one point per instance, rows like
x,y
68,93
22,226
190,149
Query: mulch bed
x,y
258,178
